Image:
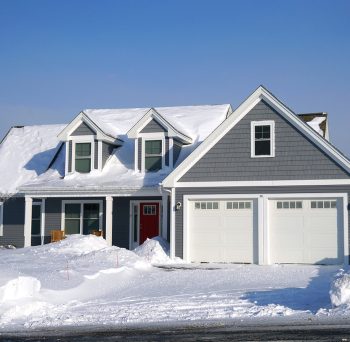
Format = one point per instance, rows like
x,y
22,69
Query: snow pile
x,y
155,251
315,124
340,289
21,287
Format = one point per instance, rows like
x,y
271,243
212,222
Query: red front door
x,y
149,221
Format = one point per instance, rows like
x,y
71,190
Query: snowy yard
x,y
81,281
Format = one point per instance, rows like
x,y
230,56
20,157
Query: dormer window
x,y
83,157
262,139
153,155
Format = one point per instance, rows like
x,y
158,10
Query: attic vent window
x,y
83,157
153,155
262,139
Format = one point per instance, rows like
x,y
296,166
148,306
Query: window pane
x,y
91,211
72,226
72,210
262,148
89,225
241,205
285,205
197,205
247,205
209,205
299,205
235,205
153,163
83,150
215,205
279,205
327,204
36,227
36,212
319,204
292,205
333,204
83,165
153,147
229,205
203,205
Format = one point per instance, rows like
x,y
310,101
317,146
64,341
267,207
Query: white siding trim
x,y
171,152
99,147
262,183
109,220
28,221
136,155
67,158
172,223
1,218
42,228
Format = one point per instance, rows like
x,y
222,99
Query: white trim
x,y
260,94
67,158
136,154
152,114
83,139
133,244
263,219
224,184
28,221
42,228
109,220
99,148
172,224
164,232
151,137
1,218
81,202
254,124
65,134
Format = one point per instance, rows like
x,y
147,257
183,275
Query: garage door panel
x,y
226,234
310,234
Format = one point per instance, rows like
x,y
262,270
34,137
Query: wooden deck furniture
x,y
57,235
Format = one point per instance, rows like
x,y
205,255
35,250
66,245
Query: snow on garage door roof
x,y
25,153
196,122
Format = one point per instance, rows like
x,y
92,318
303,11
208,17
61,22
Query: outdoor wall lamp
x,y
178,206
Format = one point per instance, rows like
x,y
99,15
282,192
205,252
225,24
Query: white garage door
x,y
306,231
222,231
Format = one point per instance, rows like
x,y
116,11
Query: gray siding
x,y
180,192
139,153
296,157
70,155
83,129
121,219
176,150
153,127
107,150
13,222
96,155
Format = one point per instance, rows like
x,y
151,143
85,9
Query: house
x,y
258,184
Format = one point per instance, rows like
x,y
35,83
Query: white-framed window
x,y
238,205
206,205
289,204
83,157
82,217
149,209
153,153
262,139
326,204
1,218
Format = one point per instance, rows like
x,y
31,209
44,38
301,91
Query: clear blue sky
x,y
58,57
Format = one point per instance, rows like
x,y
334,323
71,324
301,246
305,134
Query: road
x,y
192,334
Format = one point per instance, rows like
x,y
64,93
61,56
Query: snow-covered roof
x,y
25,153
195,121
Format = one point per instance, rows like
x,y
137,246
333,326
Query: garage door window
x,y
206,205
238,205
323,204
289,204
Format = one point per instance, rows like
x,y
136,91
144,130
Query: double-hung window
x,y
153,155
262,139
83,157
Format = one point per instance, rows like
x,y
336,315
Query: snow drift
x,y
340,289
